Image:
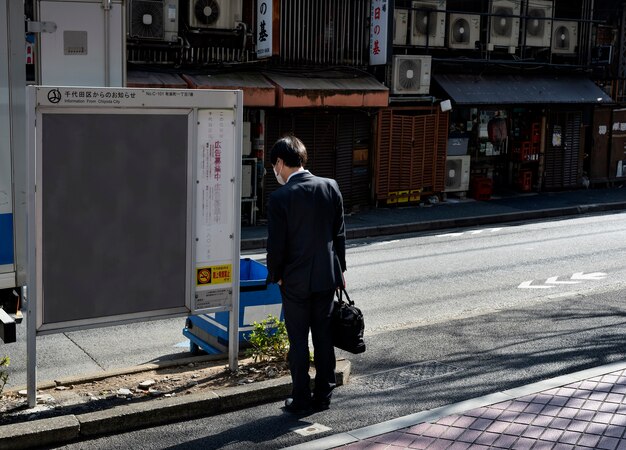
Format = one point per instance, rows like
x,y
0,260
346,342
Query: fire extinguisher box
x,y
257,300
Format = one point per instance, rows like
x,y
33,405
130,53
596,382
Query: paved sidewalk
x,y
464,213
583,410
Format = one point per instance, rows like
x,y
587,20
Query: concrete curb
x,y
413,227
158,411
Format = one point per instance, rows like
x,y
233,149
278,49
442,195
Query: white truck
x,y
12,159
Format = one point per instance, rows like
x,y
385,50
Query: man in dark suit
x,y
306,257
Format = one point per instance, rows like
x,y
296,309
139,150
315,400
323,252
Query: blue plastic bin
x,y
257,300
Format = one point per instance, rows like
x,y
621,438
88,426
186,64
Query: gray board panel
x,y
114,203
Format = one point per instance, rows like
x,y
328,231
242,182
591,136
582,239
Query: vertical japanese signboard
x,y
215,193
618,145
264,29
379,31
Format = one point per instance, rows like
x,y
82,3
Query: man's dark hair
x,y
291,150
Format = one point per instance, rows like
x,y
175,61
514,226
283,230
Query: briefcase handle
x,y
339,292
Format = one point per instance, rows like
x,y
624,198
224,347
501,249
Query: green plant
x,y
268,340
4,376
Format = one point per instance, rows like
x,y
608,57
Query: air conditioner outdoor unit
x,y
214,13
457,173
411,74
428,27
538,23
564,37
463,31
400,26
153,19
504,24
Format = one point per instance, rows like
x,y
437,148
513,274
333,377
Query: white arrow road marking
x,y
476,231
529,285
450,234
554,280
589,276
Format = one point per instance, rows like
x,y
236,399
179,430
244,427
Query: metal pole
x,y
31,297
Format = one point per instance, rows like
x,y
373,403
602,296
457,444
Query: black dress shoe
x,y
320,404
296,407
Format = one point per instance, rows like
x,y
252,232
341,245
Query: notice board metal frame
x,y
131,192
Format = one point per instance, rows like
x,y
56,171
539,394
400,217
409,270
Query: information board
x,y
135,198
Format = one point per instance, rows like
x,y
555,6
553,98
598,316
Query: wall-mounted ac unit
x,y
428,27
457,173
538,23
504,24
214,13
463,31
564,37
153,19
411,74
400,26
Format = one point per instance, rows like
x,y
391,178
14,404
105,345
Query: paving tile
x,y
608,443
486,438
614,398
469,436
604,387
525,443
448,420
497,427
551,410
551,435
578,425
418,429
481,424
610,378
477,412
603,417
561,423
570,437
508,416
440,444
478,447
395,438
618,419
464,421
421,442
591,405
615,431
435,430
515,429
585,414
525,418
619,389
459,446
598,396
518,406
533,432
588,385
566,391
491,413
452,433
534,408
558,401
502,405
542,398
621,445
596,428
575,402
609,407
589,440
542,421
504,441
543,445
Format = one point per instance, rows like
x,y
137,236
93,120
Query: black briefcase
x,y
347,324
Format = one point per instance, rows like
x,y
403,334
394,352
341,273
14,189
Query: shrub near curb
x,y
268,340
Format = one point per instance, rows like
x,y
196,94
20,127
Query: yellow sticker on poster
x,y
214,275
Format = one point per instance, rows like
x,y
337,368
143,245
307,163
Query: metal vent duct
x,y
324,32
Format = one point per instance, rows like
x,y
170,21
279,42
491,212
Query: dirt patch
x,y
99,394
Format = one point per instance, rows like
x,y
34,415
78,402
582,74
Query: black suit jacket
x,y
306,245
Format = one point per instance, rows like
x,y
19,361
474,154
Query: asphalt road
x,y
449,316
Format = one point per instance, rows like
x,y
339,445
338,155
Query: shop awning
x,y
257,90
329,88
466,89
145,79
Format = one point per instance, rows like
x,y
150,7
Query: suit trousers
x,y
311,311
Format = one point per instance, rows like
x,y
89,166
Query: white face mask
x,y
279,177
